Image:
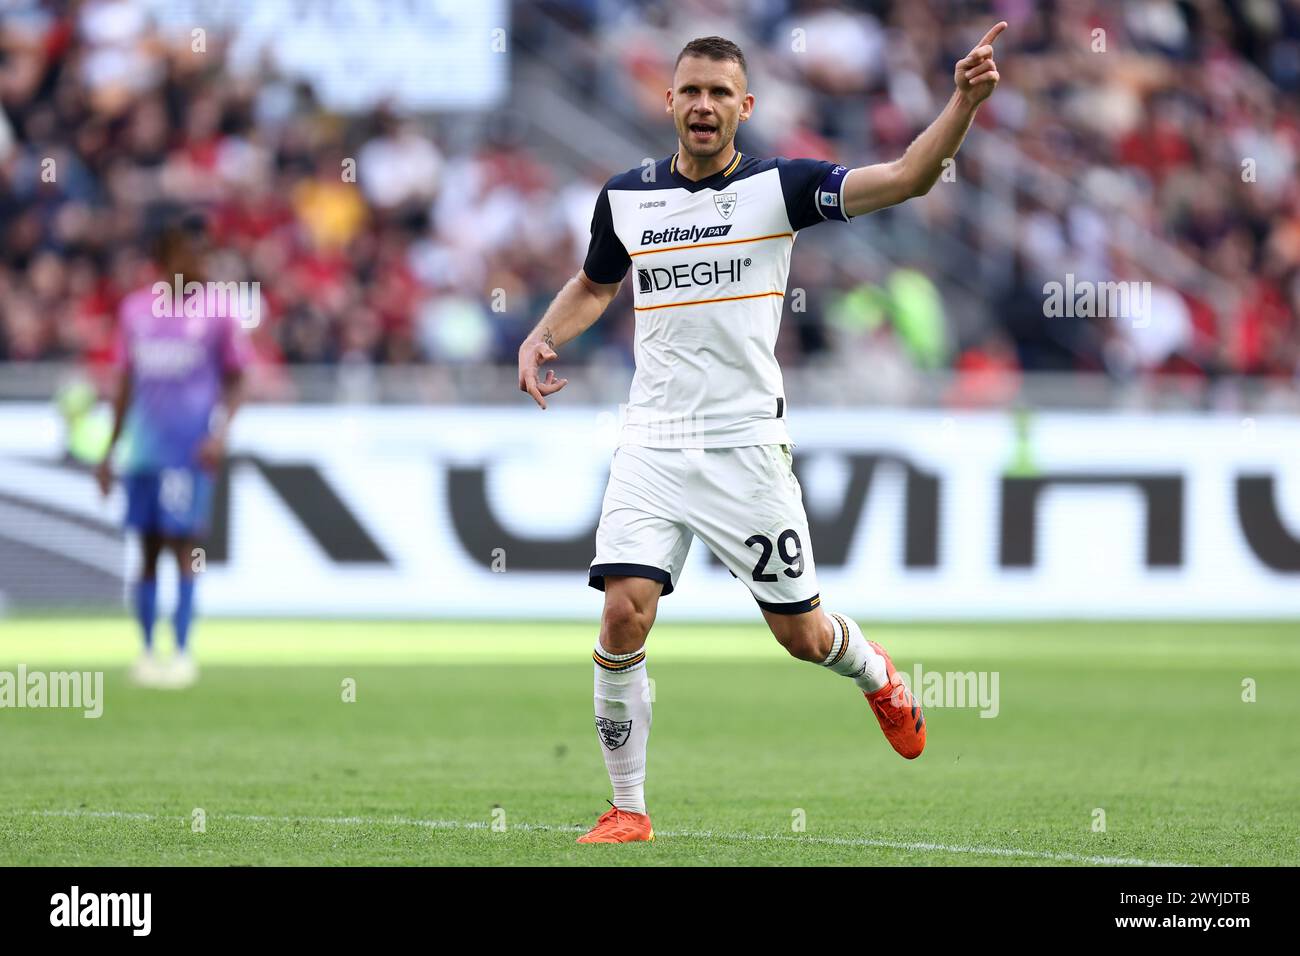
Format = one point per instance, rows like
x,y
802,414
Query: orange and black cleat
x,y
898,712
619,826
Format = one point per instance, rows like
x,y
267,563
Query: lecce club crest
x,y
613,733
726,203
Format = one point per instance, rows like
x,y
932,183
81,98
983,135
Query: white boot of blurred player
x,y
181,672
146,671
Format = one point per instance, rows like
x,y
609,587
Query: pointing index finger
x,y
993,33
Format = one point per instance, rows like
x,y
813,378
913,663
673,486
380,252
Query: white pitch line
x,y
865,842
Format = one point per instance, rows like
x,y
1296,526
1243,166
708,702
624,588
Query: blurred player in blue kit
x,y
181,365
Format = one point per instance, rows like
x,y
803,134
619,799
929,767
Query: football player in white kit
x,y
704,451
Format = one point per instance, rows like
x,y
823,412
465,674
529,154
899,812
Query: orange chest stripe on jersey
x,y
704,245
727,298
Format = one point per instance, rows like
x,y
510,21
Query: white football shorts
x,y
744,503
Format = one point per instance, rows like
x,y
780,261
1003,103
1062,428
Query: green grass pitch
x,y
459,725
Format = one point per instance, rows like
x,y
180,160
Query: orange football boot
x,y
619,826
898,712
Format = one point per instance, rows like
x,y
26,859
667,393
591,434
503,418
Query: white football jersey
x,y
710,261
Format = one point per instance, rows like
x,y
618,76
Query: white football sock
x,y
623,723
853,657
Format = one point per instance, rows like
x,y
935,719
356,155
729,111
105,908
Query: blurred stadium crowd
x,y
443,255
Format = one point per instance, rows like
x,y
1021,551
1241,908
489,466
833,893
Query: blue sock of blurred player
x,y
146,609
184,614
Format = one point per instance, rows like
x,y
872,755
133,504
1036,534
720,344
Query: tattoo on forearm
x,y
548,338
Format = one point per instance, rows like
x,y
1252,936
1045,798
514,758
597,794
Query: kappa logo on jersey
x,y
688,275
726,203
614,733
678,234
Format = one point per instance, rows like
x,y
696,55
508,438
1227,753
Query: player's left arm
x,y
121,402
234,355
868,188
213,448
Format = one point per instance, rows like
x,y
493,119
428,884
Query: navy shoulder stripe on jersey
x,y
814,191
812,188
607,260
743,165
750,166
655,176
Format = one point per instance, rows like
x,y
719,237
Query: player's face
x,y
708,101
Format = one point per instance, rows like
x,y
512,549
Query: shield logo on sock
x,y
614,733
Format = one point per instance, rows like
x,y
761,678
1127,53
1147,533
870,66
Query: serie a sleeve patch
x,y
830,194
